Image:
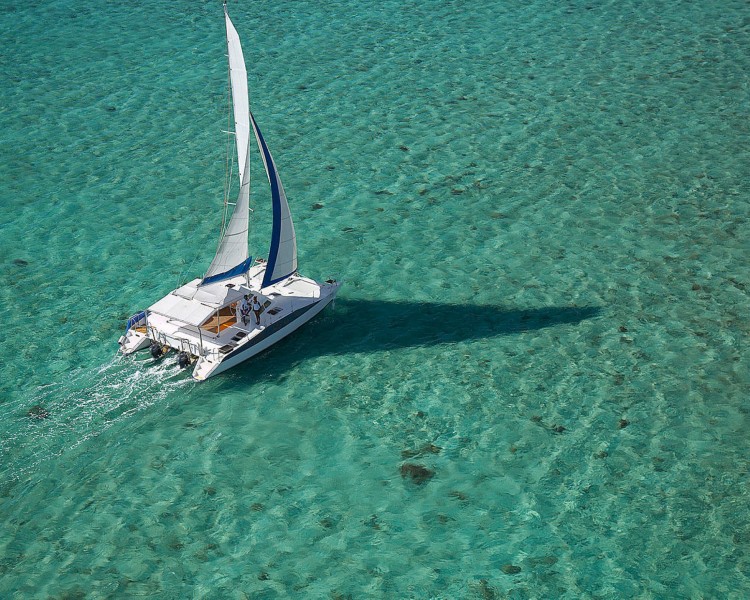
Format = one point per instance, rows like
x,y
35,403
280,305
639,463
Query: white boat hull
x,y
201,372
289,305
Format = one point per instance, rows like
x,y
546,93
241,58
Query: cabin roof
x,y
193,304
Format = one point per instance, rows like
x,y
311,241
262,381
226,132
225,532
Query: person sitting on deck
x,y
256,309
245,309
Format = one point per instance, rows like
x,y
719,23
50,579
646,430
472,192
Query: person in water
x,y
245,309
256,309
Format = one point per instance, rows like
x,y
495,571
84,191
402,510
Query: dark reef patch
x,y
419,474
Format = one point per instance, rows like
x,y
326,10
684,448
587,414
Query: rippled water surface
x,y
535,380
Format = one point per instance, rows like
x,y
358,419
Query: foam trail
x,y
83,405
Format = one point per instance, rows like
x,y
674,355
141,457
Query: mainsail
x,y
282,256
232,255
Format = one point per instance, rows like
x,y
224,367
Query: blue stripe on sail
x,y
238,270
276,201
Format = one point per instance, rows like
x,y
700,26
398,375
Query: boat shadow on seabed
x,y
361,326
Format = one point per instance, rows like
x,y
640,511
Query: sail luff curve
x,y
282,255
232,256
240,97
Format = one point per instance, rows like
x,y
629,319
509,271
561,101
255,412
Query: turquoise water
x,y
540,212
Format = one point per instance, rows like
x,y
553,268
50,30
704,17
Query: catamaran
x,y
240,306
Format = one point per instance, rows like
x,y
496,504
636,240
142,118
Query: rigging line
x,y
184,271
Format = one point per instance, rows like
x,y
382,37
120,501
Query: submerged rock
x,y
544,561
623,424
426,449
419,474
20,262
38,412
486,590
373,522
317,206
511,569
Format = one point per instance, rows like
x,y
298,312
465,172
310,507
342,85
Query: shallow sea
x,y
541,215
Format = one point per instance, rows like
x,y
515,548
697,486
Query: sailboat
x,y
241,306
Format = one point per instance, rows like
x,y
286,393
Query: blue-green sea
x,y
535,381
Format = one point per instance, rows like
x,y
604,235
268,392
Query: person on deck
x,y
256,309
245,309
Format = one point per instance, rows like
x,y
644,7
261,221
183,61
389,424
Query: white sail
x,y
232,255
240,98
282,255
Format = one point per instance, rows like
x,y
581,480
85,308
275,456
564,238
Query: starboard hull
x,y
253,349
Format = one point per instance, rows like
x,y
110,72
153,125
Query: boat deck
x,y
224,331
221,322
205,321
